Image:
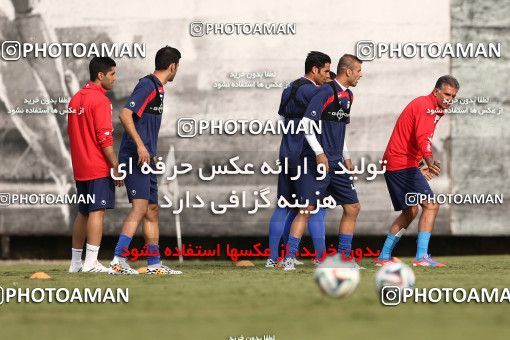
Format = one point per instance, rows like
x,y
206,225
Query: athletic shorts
x,y
404,185
101,189
286,186
339,186
139,185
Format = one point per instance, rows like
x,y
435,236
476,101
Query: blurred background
x,y
474,150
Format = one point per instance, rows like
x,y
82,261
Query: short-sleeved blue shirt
x,y
146,103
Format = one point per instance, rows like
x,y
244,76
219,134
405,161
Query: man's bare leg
x,y
150,230
347,227
296,232
397,229
138,210
79,231
78,241
425,226
151,234
95,222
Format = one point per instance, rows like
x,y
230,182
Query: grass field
x,y
216,300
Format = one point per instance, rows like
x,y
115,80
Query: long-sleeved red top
x,y
411,139
90,129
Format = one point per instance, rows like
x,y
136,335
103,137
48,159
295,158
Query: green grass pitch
x,y
216,300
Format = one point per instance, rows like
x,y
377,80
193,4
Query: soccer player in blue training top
x,y
331,105
410,142
294,101
141,118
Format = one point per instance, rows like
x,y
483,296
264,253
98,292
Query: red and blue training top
x,y
411,139
332,105
146,103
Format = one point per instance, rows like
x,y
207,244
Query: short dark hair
x,y
166,56
100,64
448,80
347,62
332,74
317,59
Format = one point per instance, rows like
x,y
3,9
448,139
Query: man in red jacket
x,y
410,142
91,141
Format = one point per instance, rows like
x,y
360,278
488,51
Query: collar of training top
x,y
310,80
153,76
94,86
342,88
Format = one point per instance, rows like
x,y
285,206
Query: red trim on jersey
x,y
149,98
341,94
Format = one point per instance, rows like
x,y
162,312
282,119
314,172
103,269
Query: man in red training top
x,y
91,140
410,142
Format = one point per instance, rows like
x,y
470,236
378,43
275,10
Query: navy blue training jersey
x,y
292,144
334,118
146,103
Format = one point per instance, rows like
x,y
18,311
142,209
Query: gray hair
x,y
448,80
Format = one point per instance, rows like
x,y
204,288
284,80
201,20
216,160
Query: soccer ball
x,y
336,279
395,274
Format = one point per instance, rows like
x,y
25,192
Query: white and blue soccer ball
x,y
395,274
335,278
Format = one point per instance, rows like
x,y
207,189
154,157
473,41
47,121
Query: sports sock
x,y
76,255
389,244
317,230
423,244
153,260
122,244
344,244
91,255
288,223
276,226
293,246
397,238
